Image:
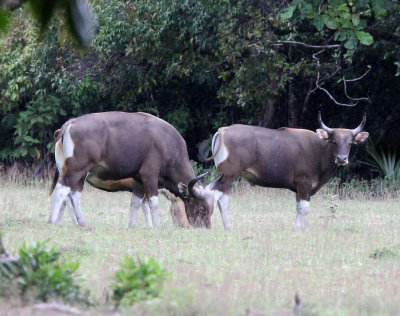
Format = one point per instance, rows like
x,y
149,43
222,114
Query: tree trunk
x,y
267,113
292,120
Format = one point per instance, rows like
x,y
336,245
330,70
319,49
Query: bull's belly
x,y
104,179
111,173
264,181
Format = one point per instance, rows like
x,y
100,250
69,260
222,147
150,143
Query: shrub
x,y
40,273
138,281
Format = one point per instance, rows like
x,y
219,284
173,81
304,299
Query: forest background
x,y
201,65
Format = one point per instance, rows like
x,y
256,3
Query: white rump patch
x,y
59,155
68,144
223,152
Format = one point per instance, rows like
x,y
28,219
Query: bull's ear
x,y
322,134
360,137
183,189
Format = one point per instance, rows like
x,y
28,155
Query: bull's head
x,y
199,201
342,139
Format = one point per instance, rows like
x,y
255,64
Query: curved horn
x,y
322,125
360,127
193,182
215,182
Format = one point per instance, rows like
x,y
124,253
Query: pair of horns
x,y
210,186
355,131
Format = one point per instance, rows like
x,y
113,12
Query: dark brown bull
x,y
295,159
111,148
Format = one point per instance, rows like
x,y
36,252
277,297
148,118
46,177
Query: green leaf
x,y
318,23
351,43
331,24
355,18
364,37
288,13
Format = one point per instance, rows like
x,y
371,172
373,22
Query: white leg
x,y
302,208
67,202
61,212
223,207
76,204
71,211
146,213
153,202
135,204
59,198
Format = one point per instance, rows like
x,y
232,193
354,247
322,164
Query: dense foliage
x,y
137,281
204,64
40,274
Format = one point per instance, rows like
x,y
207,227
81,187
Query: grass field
x,y
259,265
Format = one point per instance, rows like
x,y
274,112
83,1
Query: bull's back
x,y
117,143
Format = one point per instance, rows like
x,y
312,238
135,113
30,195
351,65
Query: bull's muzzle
x,y
342,160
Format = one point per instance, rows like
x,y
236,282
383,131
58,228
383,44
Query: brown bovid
x,y
296,159
109,148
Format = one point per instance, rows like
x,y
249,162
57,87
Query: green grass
x,y
260,264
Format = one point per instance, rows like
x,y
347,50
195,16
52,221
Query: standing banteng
x,y
295,159
111,148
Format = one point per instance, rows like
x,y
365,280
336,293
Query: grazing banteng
x,y
111,147
295,159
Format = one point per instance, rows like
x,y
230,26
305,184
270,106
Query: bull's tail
x,y
218,136
55,180
57,135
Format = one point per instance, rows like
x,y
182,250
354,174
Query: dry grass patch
x,y
260,264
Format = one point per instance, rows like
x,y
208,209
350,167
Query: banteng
x,y
111,148
295,159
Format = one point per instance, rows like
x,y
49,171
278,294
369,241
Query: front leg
x,y
302,208
153,202
146,213
302,205
136,201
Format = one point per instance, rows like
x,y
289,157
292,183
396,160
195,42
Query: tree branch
x,y
305,45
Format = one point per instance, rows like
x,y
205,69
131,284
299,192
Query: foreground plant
x,y
138,281
41,273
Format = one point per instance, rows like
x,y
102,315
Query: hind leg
x,y
60,196
221,197
76,182
66,203
76,204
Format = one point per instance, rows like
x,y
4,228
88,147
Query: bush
x,y
138,281
40,273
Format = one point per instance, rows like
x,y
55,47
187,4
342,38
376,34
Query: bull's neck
x,y
329,165
183,173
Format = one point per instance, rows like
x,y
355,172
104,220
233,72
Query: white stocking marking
x,y
223,207
146,213
76,204
302,208
59,198
153,202
135,204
